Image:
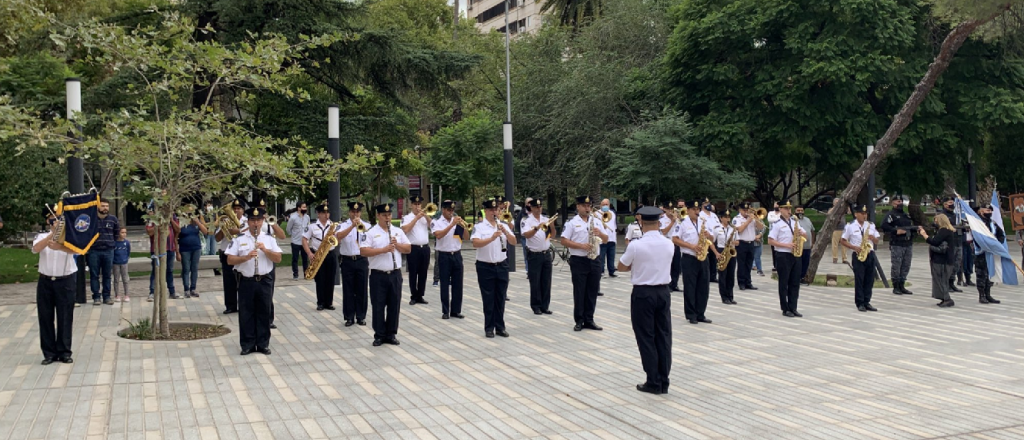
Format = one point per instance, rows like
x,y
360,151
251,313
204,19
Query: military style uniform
x,y
863,271
981,263
385,279
419,258
539,256
696,275
650,303
449,262
714,224
492,273
55,299
586,273
229,278
255,287
901,247
745,250
788,266
355,271
727,279
315,236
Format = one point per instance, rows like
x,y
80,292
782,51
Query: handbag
x,y
940,249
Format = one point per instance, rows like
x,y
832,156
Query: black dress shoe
x,y
693,321
862,308
751,288
600,294
537,312
230,311
644,388
421,301
546,312
797,314
394,341
788,314
743,288
377,342
246,351
47,361
412,302
704,320
265,351
444,316
664,390
361,322
870,308
732,302
66,360
329,307
676,289
613,275
501,333
489,334
578,327
459,315
319,308
592,326
273,326
349,322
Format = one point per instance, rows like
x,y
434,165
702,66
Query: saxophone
x,y
329,242
703,243
865,245
798,245
728,253
595,242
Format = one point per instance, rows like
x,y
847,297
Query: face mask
x,y
707,207
605,209
302,211
987,215
799,215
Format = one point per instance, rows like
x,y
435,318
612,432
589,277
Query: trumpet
x,y
430,210
360,226
548,224
272,220
506,215
461,222
761,213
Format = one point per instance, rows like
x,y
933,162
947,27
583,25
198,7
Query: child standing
x,y
122,249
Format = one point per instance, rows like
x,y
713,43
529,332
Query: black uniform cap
x,y
237,203
693,204
447,204
583,200
383,209
649,213
786,204
490,204
416,199
322,207
860,208
745,205
256,212
535,202
355,206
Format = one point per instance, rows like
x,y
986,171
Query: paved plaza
x,y
910,370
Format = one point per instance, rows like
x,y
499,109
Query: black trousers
x,y
324,280
493,281
255,303
788,268
55,305
712,268
981,270
229,279
386,300
451,272
744,258
651,314
297,251
695,287
355,275
419,262
863,278
677,267
540,279
586,282
727,281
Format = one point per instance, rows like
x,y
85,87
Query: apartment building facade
x,y
489,15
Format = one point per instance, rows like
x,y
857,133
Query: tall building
x,y
523,15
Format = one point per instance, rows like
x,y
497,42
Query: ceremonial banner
x,y
80,225
1017,212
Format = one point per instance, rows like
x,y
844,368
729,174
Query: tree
x,y
573,13
973,15
467,155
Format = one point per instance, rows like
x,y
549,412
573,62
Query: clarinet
x,y
394,262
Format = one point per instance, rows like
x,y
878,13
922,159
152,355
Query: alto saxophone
x,y
703,244
329,242
728,252
798,245
865,245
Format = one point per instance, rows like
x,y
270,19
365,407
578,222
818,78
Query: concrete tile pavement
x,y
911,370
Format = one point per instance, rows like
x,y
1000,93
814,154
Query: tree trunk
x,y
455,21
160,296
950,46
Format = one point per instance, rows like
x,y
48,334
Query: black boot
x,y
982,298
967,280
953,288
896,288
903,287
959,278
988,294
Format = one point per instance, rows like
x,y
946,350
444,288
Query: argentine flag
x,y
997,254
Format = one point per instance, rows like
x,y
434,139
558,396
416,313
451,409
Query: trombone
x,y
550,224
430,210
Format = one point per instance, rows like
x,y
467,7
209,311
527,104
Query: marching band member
x,y
253,257
312,239
748,226
384,246
539,254
863,271
666,224
55,294
728,276
355,268
449,234
782,238
586,273
229,278
416,226
608,249
714,224
634,231
651,301
695,272
491,239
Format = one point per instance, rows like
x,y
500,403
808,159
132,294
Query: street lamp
x,y
507,132
76,170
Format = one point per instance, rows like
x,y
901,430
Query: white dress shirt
x,y
54,263
420,233
316,233
349,246
650,259
722,236
782,232
492,253
297,224
378,238
578,230
633,232
612,233
712,220
449,242
243,244
540,241
664,222
749,234
688,230
854,232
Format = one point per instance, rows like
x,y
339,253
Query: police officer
x,y
666,225
748,226
695,273
714,224
229,278
384,246
539,254
954,219
491,238
650,302
254,258
863,271
723,235
898,226
782,238
416,226
312,240
981,260
355,268
449,235
586,273
55,294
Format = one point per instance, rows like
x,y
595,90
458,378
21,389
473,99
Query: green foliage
x,y
662,148
467,155
142,330
573,12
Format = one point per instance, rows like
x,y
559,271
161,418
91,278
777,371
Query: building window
x,y
514,26
496,10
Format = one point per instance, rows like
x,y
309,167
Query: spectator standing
x,y
122,251
297,223
101,255
190,248
172,249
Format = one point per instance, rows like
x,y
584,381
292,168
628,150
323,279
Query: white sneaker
x,y
125,299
